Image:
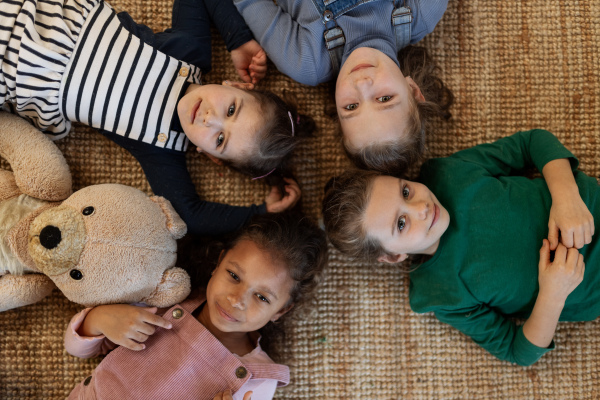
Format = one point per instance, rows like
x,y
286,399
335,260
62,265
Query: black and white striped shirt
x,y
74,61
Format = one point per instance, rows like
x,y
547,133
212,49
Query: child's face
x,y
247,290
373,98
221,121
405,217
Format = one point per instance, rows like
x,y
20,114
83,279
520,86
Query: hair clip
x,y
267,174
292,121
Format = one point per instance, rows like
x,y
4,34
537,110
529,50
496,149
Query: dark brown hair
x,y
290,238
394,158
275,141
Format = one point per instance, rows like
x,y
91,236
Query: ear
x,y
392,259
173,288
279,313
175,224
415,90
239,85
214,159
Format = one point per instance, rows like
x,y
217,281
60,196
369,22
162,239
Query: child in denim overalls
x,y
380,109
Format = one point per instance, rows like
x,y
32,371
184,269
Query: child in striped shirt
x,y
71,60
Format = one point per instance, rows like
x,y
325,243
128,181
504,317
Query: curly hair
x,y
291,238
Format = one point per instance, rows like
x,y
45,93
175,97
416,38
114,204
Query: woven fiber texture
x,y
512,66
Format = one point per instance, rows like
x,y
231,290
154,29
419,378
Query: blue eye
x,y
405,192
231,110
351,107
220,139
401,223
384,99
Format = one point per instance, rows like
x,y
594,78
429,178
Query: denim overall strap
x,y
402,23
335,40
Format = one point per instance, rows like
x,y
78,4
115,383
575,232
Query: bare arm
x,y
569,215
557,280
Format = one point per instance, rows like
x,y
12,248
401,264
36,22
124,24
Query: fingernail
x,y
143,346
169,326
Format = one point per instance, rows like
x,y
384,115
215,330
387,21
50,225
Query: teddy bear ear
x,y
173,288
175,224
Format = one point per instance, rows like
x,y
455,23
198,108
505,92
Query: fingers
x,y
247,396
544,255
244,75
292,188
239,85
133,345
226,395
552,234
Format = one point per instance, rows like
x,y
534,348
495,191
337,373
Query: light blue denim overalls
x,y
335,40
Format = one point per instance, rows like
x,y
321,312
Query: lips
x,y
361,66
195,110
224,314
436,215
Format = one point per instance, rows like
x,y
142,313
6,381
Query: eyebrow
x,y
242,271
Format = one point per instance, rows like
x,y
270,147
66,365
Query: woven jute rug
x,y
512,66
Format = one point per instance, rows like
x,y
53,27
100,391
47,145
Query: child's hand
x,y
124,324
561,276
250,61
278,202
571,217
226,395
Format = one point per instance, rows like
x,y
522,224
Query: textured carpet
x,y
512,66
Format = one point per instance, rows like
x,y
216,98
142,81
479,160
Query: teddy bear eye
x,y
76,274
88,210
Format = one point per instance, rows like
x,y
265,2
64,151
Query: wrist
x,y
551,301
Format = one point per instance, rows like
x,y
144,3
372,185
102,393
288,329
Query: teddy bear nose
x,y
50,237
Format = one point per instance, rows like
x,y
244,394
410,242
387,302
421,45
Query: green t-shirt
x,y
485,269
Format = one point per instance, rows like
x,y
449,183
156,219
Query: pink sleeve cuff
x,y
85,346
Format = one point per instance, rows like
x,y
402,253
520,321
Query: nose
x,y
421,209
236,300
50,237
211,119
363,83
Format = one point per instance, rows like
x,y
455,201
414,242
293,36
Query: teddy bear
x,y
102,244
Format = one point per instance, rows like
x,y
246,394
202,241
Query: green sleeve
x,y
495,333
513,154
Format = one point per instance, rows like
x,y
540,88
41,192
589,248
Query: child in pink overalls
x,y
209,345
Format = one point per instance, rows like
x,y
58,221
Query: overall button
x,y
162,137
177,313
184,71
241,372
327,15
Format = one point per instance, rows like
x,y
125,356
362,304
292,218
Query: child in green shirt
x,y
481,225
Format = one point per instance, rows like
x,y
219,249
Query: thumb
x,y
247,396
544,255
552,234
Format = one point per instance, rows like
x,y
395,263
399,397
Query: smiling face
x,y
248,289
221,121
373,99
405,217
